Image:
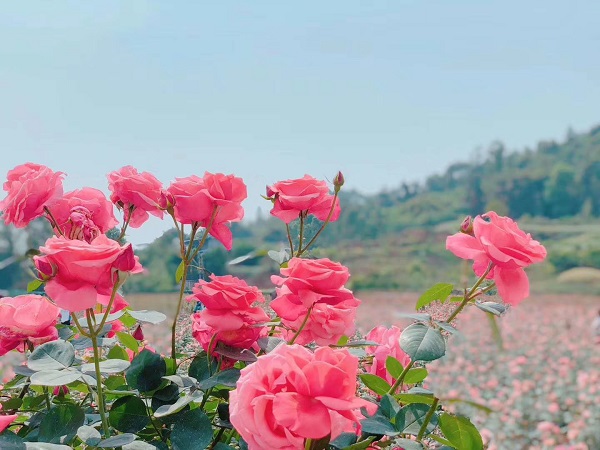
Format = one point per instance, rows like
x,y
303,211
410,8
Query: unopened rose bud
x,y
167,201
467,226
338,181
138,333
60,391
45,269
126,260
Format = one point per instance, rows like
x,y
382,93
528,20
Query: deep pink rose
x,y
194,200
140,192
499,241
303,195
389,345
81,210
26,318
293,394
316,284
84,273
231,315
225,292
29,188
6,420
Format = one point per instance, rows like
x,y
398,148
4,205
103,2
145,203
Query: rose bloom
x,y
229,317
389,345
92,209
225,292
305,195
29,188
498,240
292,394
316,284
194,200
80,274
25,318
139,192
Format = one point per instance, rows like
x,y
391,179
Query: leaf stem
x,y
428,417
469,295
99,393
314,238
400,379
304,322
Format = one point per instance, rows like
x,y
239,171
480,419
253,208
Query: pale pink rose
x,y
316,284
195,199
135,193
29,188
225,292
231,316
26,318
498,240
84,273
305,195
82,209
389,345
292,394
6,420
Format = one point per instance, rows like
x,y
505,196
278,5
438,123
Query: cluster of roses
x,y
288,395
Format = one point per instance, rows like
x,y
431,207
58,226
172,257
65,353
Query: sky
x,y
385,91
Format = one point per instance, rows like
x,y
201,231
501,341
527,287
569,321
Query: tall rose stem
x,y
469,295
400,379
53,221
289,236
126,223
314,238
301,326
187,257
427,419
99,393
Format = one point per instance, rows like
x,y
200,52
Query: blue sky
x,y
385,91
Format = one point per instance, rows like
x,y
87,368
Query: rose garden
x,y
291,372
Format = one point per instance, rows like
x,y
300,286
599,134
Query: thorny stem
x,y
126,223
301,234
289,235
53,221
99,393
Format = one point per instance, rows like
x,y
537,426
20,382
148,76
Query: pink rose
x,y
389,345
26,318
135,193
84,212
293,394
195,199
305,195
499,241
316,285
29,188
6,420
231,316
84,273
225,292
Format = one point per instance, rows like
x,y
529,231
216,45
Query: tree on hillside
x,y
562,195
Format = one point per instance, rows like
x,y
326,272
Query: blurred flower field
x,y
543,387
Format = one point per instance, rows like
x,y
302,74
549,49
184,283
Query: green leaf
x,y
179,272
227,378
60,424
118,352
414,376
343,440
107,366
117,441
54,377
10,441
422,343
54,355
407,444
414,398
394,367
128,414
127,320
342,341
446,327
375,383
389,406
181,403
439,292
411,417
494,308
128,341
460,432
146,371
378,424
200,368
89,435
34,285
146,316
193,431
320,444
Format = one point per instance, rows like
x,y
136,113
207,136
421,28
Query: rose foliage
x,y
288,373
